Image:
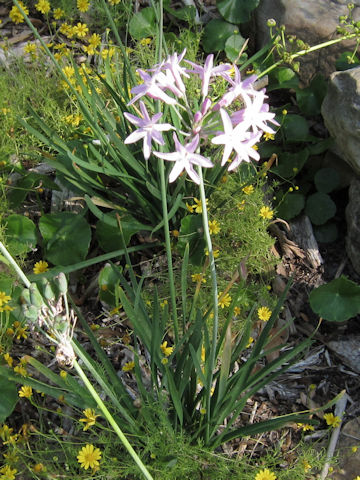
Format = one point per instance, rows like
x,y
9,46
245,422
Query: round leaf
x,y
295,128
326,233
9,398
336,301
326,180
237,11
21,234
320,208
291,206
233,46
143,24
66,236
216,33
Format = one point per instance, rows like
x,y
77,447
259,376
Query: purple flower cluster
x,y
238,131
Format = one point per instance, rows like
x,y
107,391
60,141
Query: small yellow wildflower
x,y
214,227
307,466
354,449
21,332
30,48
80,30
58,13
83,5
357,478
163,304
114,2
7,473
190,207
198,205
89,456
90,418
4,298
145,41
39,467
237,310
269,136
241,205
175,233
265,475
25,391
264,313
216,253
224,300
198,277
128,366
164,361
266,213
332,420
40,267
167,351
15,14
8,359
95,40
63,374
68,71
250,342
284,112
248,190
305,427
43,6
21,370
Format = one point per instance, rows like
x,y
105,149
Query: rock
x,y
341,112
349,460
312,22
348,350
353,224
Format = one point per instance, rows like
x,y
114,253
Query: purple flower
x,y
237,139
207,71
154,87
172,65
243,88
184,158
256,114
148,130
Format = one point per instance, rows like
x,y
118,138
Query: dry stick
x,y
339,412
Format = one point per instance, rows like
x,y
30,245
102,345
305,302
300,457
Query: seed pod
x,y
25,297
61,283
36,298
48,291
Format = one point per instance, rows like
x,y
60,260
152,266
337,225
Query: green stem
x,y
306,51
212,357
15,266
111,420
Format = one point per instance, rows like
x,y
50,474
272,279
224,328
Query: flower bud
x,y
61,283
197,117
271,22
36,298
205,106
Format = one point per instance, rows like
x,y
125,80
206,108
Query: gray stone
x,y
311,21
353,225
341,112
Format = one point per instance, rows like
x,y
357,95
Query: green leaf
x,y
108,282
336,301
290,164
9,398
236,11
233,46
186,13
320,208
291,206
295,128
66,236
282,77
326,180
29,181
21,234
326,233
309,99
216,32
342,63
143,24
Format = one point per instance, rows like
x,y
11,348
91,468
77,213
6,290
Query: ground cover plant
x,y
158,155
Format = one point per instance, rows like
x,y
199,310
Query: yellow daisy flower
x,y
89,457
248,190
90,418
265,475
25,391
264,313
214,227
224,300
266,213
167,351
332,420
40,267
83,5
128,367
15,14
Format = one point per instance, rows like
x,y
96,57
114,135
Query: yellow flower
x,y
354,449
4,298
175,233
40,267
357,478
145,41
266,213
114,2
241,205
284,112
269,136
214,227
95,40
83,5
248,190
165,361
216,253
332,420
15,14
265,475
198,205
198,277
250,342
58,13
264,313
39,467
68,71
307,466
25,391
7,473
90,418
203,353
224,300
30,48
8,359
167,351
190,207
305,426
162,304
5,432
89,456
21,370
80,30
21,333
128,367
63,374
43,6
237,310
